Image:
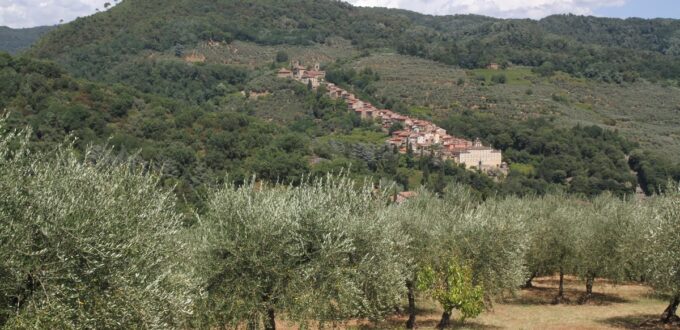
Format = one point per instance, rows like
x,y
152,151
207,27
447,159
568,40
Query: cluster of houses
x,y
314,77
419,136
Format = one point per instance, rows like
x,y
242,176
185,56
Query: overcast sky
x,y
28,13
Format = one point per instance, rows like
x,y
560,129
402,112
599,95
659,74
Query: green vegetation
x,y
518,75
452,286
193,189
90,44
585,160
15,40
87,243
320,252
102,245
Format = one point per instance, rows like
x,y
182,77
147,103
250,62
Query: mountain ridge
x,y
468,41
16,40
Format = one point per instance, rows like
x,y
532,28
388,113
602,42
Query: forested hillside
x,y
15,40
206,61
556,43
199,140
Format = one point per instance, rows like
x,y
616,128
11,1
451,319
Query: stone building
x,y
479,157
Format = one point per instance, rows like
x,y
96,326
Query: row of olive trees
x,y
320,252
96,243
607,238
463,251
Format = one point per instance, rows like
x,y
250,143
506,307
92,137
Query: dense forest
x,y
15,40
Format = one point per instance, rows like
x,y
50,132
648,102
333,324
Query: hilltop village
x,y
420,136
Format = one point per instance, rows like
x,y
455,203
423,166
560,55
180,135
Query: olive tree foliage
x,y
323,251
494,238
86,244
452,285
661,245
602,240
488,237
426,220
552,236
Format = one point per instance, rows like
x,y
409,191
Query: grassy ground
x,y
360,135
253,55
627,306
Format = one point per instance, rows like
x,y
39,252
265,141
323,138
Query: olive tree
x,y
662,249
552,224
494,238
458,229
321,251
86,244
601,240
425,219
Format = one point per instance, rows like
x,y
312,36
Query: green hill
x,y
559,42
206,55
15,40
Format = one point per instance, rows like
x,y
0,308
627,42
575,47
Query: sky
x,y
29,13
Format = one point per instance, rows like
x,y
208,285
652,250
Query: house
x,y
284,73
479,157
493,66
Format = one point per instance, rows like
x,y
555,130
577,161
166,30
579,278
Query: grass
x,y
515,75
252,55
360,135
626,306
613,307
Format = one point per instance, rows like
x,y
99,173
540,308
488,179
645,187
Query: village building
x,y
284,73
493,66
479,157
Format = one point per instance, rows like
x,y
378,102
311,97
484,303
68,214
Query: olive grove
x,y
90,241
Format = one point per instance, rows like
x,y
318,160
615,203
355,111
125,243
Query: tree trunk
x,y
590,280
669,313
560,293
529,283
445,321
270,322
411,323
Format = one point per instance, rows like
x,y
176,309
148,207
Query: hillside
x,y
426,66
644,112
138,27
161,169
15,40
